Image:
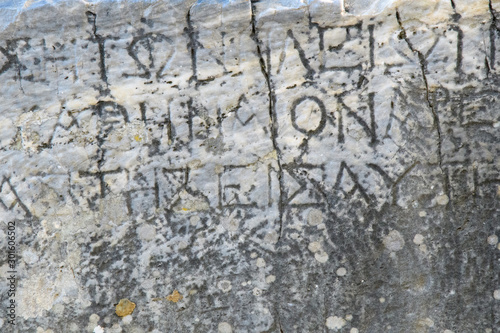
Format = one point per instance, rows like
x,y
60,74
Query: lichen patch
x,y
124,308
174,297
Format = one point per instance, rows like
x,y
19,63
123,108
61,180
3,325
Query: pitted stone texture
x,y
277,166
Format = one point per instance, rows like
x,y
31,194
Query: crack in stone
x,y
493,28
422,62
272,116
493,16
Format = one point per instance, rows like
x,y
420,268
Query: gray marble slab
x,y
236,166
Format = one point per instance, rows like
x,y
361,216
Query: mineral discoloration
x,y
284,165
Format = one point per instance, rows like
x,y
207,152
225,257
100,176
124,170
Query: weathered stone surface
x,y
227,166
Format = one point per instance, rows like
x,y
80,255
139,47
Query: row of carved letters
x,y
153,52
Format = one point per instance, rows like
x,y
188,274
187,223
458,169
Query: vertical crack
x,y
272,115
493,30
423,65
492,12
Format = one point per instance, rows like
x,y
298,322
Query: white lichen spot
x,y
182,245
418,239
127,319
224,285
195,164
498,246
260,263
36,295
116,328
314,247
256,291
341,271
146,232
426,322
447,331
94,318
381,300
253,255
348,317
394,241
225,328
314,217
422,213
493,240
98,329
335,323
270,279
193,220
442,200
271,237
321,257
354,330
41,330
496,294
423,248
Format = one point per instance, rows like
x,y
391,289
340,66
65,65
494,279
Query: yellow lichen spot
x,y
138,138
185,209
175,297
124,308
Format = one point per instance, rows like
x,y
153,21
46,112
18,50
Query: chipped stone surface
x,y
283,165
